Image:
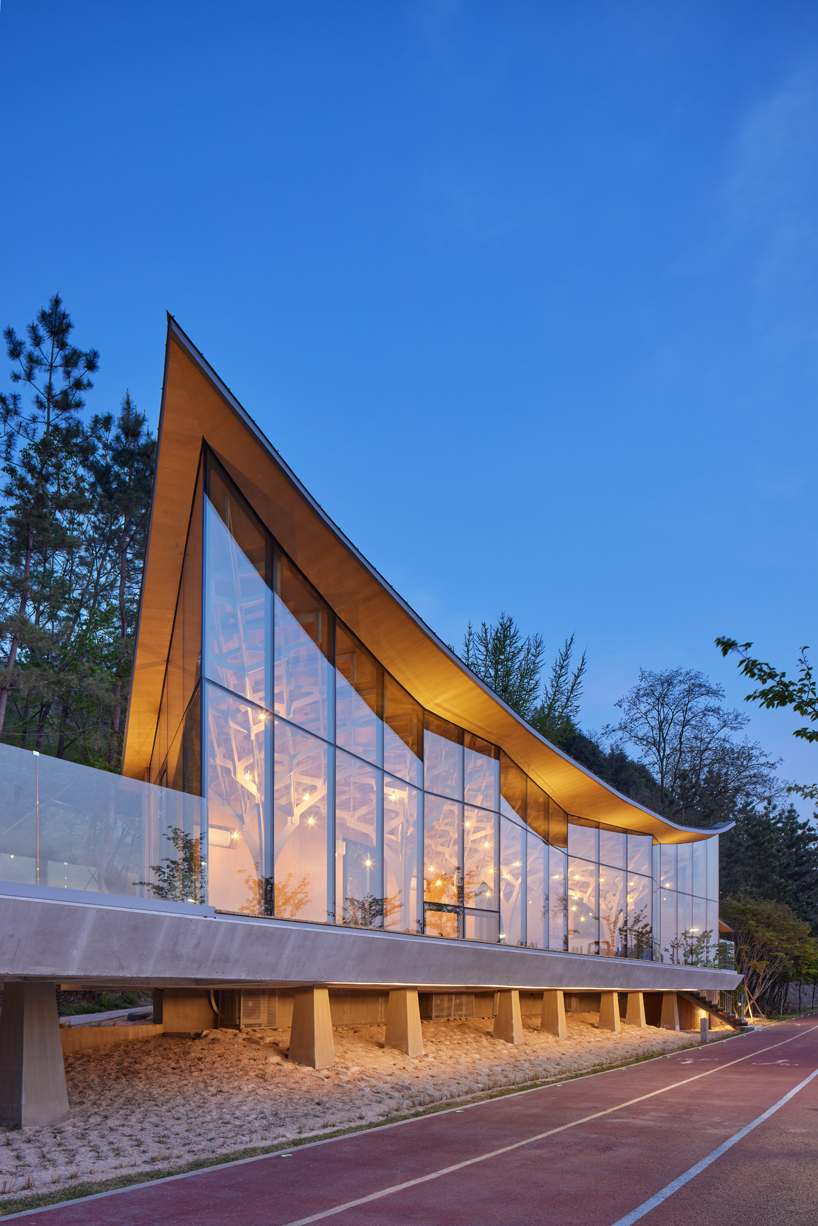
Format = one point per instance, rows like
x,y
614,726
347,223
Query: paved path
x,y
591,1152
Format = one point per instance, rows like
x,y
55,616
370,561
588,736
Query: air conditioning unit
x,y
247,1008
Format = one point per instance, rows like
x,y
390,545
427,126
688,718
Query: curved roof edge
x,y
193,403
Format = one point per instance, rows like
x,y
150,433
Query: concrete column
x,y
311,1031
508,1024
670,1011
32,1076
403,1022
635,1015
609,1012
553,1014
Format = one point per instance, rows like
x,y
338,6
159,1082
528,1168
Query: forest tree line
x,y
74,507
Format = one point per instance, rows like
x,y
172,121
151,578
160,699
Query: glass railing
x,y
69,826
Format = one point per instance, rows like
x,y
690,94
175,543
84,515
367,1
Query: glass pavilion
x,y
333,793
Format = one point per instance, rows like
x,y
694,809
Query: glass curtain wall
x,y
688,881
333,797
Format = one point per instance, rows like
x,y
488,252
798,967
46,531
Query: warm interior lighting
x,y
247,776
368,863
310,821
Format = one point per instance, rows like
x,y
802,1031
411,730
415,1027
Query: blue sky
x,y
525,293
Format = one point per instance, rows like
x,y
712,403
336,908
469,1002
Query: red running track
x,y
586,1153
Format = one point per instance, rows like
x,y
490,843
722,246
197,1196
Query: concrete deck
x,y
122,943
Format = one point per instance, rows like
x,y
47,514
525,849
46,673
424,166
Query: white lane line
x,y
662,1196
541,1136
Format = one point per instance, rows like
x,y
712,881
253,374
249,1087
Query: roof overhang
x,y
197,406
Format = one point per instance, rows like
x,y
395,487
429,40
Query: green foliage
x,y
556,715
778,690
771,941
179,878
512,666
105,1002
506,661
772,853
73,512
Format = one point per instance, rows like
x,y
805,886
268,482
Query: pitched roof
x,y
196,405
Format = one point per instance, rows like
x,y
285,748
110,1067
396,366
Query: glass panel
x,y
238,601
583,925
402,733
684,914
683,874
238,855
557,825
479,859
481,772
359,896
97,831
401,824
612,910
698,919
557,899
640,860
184,656
668,870
358,695
482,926
512,788
300,821
713,926
441,849
536,892
183,769
158,772
442,757
582,841
612,848
303,646
640,932
712,846
698,856
537,809
668,928
442,923
511,881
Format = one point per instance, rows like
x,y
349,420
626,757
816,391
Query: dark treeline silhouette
x,y
74,505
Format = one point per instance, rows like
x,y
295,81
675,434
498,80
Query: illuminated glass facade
x,y
332,796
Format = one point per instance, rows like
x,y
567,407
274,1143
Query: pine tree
x,y
44,452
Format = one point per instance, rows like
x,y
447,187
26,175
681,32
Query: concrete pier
x,y
32,1076
311,1041
403,1022
508,1024
609,1012
635,1015
553,1014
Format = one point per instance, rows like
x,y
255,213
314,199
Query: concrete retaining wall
x,y
83,1038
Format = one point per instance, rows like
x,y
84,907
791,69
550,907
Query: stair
x,y
701,1002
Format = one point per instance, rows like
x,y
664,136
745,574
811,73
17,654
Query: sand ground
x,y
162,1102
